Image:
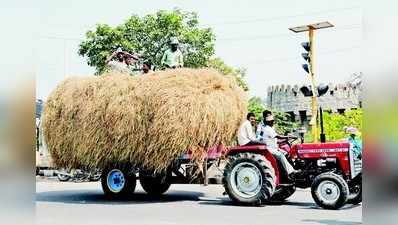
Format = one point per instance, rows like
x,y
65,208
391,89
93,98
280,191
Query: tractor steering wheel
x,y
292,139
289,140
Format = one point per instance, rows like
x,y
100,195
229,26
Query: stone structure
x,y
289,99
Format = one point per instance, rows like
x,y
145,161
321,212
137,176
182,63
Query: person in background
x,y
172,57
355,141
130,59
146,67
246,134
267,134
120,64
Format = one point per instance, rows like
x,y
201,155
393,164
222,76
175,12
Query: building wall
x,y
289,99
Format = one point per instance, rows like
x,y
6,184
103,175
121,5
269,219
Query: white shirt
x,y
246,133
267,135
120,67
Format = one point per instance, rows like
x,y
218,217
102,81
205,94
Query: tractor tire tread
x,y
268,175
343,186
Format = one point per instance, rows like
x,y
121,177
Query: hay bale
x,y
148,120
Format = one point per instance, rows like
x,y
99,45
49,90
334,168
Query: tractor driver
x,y
267,134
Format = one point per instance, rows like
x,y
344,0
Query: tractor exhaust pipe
x,y
322,135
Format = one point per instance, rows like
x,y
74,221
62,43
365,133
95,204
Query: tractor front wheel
x,y
355,196
249,178
329,191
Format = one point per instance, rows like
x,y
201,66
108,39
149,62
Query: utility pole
x,y
310,57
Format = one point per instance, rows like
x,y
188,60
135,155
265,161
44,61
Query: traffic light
x,y
321,89
306,68
306,55
306,90
306,45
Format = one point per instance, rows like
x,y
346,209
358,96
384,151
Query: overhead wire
x,y
271,19
283,59
282,35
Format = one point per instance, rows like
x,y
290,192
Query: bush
x,y
334,123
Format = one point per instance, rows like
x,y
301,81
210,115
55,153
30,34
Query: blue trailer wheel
x,y
115,180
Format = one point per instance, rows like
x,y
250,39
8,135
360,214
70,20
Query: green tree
x,y
149,36
238,73
334,123
257,107
283,122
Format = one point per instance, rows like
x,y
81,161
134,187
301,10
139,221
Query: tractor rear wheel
x,y
117,182
329,191
249,178
155,184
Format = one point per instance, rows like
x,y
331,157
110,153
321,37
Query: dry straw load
x,y
148,120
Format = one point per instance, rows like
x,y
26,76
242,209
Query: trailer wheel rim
x,y
329,192
115,181
246,180
62,176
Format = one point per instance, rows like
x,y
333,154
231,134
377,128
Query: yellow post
x,y
314,105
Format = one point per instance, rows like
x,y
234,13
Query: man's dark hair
x,y
148,63
266,113
120,56
250,114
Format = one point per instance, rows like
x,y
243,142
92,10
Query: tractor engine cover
x,y
326,154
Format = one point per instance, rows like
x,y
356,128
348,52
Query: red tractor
x,y
251,174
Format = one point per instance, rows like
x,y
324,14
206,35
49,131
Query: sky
x,y
249,34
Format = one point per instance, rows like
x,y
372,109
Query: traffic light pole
x,y
314,103
311,70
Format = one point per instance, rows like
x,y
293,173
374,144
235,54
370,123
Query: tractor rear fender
x,y
257,149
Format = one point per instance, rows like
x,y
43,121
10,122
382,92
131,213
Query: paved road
x,y
83,204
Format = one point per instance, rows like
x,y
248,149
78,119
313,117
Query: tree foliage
x,y
334,123
283,122
238,73
149,36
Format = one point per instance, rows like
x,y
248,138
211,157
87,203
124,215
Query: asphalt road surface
x,y
72,203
